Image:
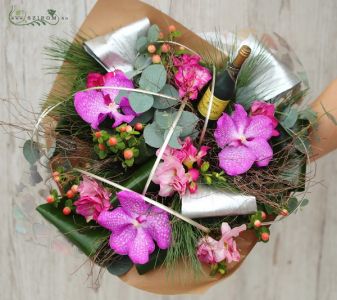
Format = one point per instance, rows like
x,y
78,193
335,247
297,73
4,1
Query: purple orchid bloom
x,y
135,226
244,141
94,106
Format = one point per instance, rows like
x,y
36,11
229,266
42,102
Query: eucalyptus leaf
x,y
31,151
164,118
290,118
174,140
163,103
141,44
153,135
153,78
140,102
292,204
153,33
142,61
304,202
188,122
121,266
144,118
120,95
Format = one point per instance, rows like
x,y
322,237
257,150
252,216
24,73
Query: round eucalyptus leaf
x,y
153,135
174,140
141,44
31,151
120,95
120,266
144,118
142,61
140,102
163,103
153,33
188,122
164,118
153,78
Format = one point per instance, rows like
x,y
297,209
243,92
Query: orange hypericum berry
x,y
101,147
57,178
128,153
263,215
172,28
165,48
50,199
112,141
56,174
138,126
98,134
70,194
265,236
128,128
257,223
151,48
66,211
74,188
122,129
284,212
156,59
161,35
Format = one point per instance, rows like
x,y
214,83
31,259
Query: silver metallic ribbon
x,y
207,202
117,50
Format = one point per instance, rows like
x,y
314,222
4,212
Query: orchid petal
x,y
259,127
262,151
132,203
240,118
236,160
158,226
90,105
114,220
122,240
225,131
141,247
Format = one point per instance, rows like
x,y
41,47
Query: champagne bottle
x,y
224,87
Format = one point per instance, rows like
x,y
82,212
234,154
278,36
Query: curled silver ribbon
x,y
117,50
207,202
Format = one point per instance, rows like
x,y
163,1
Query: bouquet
x,y
170,154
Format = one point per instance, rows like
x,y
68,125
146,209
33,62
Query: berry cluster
x,y
122,143
262,232
66,201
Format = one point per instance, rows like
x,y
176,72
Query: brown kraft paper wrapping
x,y
109,15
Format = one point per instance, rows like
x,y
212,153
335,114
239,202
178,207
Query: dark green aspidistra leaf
x,y
87,238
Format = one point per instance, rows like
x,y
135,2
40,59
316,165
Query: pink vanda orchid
x,y
93,106
244,141
135,225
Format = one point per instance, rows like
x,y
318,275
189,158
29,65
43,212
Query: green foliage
x,y
87,237
154,134
120,266
153,33
31,151
153,78
184,241
157,258
139,102
164,103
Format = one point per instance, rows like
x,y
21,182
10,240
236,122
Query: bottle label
x,y
218,106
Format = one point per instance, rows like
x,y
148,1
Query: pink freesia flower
x,y
265,109
93,200
94,106
135,226
189,154
191,77
211,251
244,141
171,177
206,250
